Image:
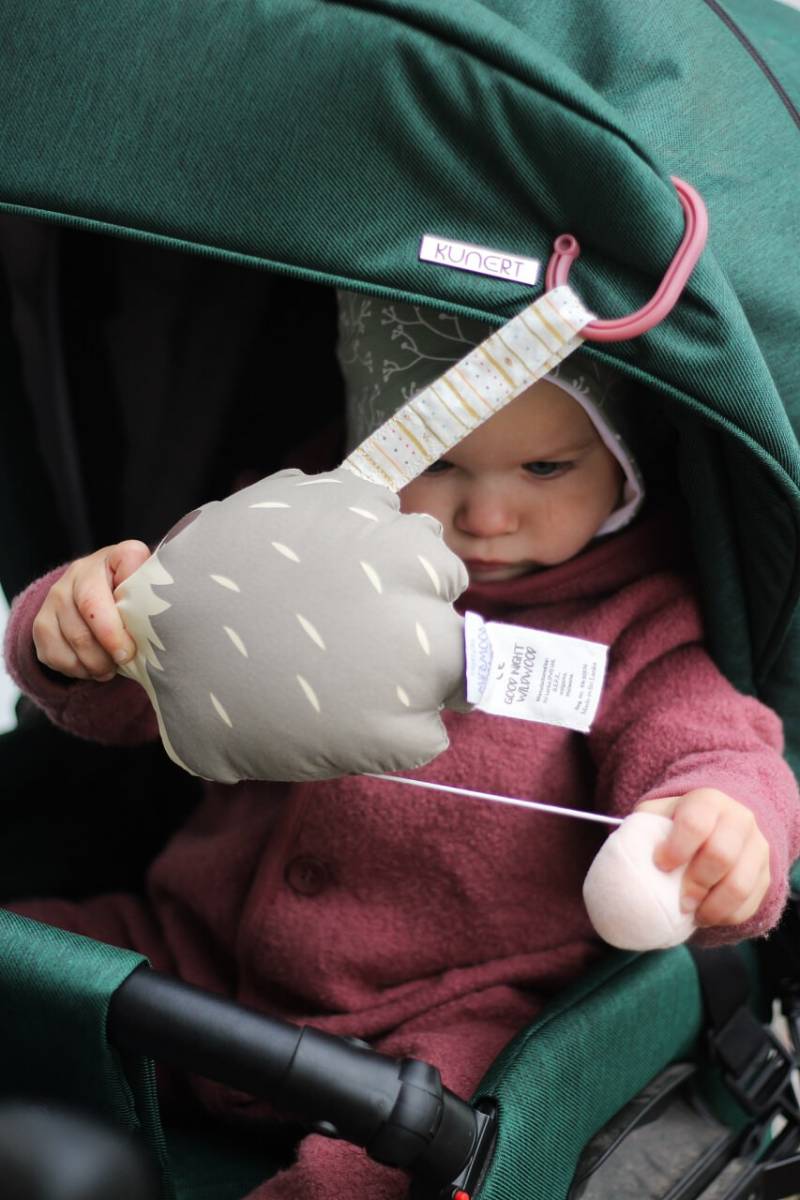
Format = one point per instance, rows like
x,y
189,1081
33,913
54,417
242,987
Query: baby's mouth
x,y
483,570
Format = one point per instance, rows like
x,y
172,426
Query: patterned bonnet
x,y
388,351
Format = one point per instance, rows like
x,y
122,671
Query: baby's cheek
x,y
423,500
416,497
571,530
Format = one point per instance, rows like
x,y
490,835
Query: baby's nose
x,y
487,513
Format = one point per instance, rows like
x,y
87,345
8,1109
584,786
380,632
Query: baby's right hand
x,y
78,630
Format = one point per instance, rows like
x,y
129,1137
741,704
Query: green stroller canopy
x,y
323,140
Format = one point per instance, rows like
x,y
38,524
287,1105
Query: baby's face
x,y
526,490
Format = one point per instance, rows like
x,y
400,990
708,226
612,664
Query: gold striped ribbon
x,y
480,384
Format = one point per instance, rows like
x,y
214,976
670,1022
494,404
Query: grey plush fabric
x,y
251,614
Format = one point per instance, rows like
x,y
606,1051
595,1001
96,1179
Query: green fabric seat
x,y
55,989
559,1081
54,1002
555,1084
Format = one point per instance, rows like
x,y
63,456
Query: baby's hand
x,y
78,630
728,856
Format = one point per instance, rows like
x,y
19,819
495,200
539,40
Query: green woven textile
x,y
588,1053
55,989
560,1080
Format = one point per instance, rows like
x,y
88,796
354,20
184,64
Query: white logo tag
x,y
463,256
533,675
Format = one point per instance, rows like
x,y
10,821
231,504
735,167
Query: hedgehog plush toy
x,y
303,628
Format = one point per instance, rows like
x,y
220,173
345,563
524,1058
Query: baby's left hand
x,y
728,856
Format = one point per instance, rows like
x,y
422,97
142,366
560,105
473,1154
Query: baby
x,y
437,928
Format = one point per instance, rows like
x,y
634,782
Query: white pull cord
x,y
557,811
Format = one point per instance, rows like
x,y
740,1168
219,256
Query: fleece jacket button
x,y
306,875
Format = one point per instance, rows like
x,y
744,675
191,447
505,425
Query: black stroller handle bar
x,y
397,1109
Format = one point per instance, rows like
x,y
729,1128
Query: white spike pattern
x,y
402,696
223,581
422,638
237,641
286,551
432,574
312,632
220,710
270,504
137,604
312,482
310,694
363,512
373,576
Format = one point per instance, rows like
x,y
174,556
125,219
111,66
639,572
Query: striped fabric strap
x,y
481,383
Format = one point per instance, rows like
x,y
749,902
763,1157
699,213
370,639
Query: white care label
x,y
533,675
463,256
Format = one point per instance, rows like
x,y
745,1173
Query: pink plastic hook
x,y
566,249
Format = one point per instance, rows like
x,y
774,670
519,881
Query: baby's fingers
x,y
80,653
740,892
726,856
94,628
52,647
125,558
718,857
693,822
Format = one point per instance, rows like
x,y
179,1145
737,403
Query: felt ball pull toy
x,y
631,903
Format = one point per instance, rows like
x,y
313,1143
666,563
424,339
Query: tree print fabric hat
x,y
389,351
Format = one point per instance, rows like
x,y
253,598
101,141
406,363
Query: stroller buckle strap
x,y
756,1066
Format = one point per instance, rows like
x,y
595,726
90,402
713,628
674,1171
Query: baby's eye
x,y
546,470
437,467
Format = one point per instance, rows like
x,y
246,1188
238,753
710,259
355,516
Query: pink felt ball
x,y
632,904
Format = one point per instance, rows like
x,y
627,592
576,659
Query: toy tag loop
x,y
503,366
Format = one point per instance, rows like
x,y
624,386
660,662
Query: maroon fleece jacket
x,y
373,909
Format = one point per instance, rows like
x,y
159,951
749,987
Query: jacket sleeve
x,y
115,713
669,722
